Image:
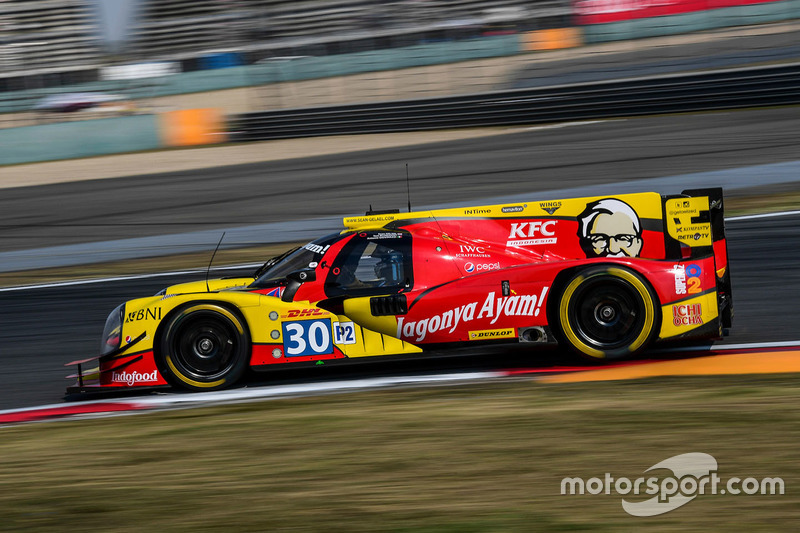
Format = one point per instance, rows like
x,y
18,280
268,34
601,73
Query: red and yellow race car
x,y
606,277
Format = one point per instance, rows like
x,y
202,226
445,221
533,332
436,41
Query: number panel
x,y
344,333
307,337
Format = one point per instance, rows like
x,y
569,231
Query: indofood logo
x,y
132,378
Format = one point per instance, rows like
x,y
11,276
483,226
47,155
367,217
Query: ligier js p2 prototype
x,y
605,277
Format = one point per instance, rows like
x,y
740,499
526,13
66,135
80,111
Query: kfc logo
x,y
532,233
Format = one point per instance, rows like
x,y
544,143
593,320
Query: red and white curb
x,y
104,408
100,408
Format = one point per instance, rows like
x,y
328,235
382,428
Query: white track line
x,y
567,124
730,347
765,215
277,391
177,401
123,278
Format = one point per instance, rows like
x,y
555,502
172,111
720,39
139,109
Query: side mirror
x,y
296,279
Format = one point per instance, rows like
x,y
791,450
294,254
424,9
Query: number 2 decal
x,y
694,285
307,337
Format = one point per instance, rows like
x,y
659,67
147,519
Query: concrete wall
x,y
281,71
85,138
146,132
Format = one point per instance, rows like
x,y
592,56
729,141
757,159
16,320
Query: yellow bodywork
x,y
264,316
647,205
684,316
684,223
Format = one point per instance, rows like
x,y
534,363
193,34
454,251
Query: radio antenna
x,y
408,189
208,270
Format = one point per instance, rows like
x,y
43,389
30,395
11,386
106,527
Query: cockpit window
x,y
372,263
276,269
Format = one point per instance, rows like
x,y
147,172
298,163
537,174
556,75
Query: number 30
x,y
307,337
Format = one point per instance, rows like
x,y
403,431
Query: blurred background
x,y
61,58
67,60
82,78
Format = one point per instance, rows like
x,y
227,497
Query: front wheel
x,y
608,312
203,347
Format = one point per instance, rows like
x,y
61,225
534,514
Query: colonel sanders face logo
x,y
610,228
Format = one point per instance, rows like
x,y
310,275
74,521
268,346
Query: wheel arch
x,y
228,306
233,308
564,277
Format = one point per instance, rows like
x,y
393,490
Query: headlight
x,y
112,332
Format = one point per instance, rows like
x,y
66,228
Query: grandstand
x,y
178,28
47,45
59,38
170,28
46,35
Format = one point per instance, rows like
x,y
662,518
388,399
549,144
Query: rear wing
x,y
695,227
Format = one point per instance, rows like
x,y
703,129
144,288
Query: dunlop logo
x,y
504,333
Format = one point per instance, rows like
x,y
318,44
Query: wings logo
x,y
550,207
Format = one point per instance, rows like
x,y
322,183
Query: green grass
x,y
486,457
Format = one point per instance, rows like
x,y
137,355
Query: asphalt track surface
x,y
468,171
730,49
41,329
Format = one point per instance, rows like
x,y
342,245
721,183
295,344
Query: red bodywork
x,y
494,274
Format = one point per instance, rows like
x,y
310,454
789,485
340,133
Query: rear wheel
x,y
204,347
608,312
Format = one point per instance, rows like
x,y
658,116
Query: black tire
x,y
203,346
608,312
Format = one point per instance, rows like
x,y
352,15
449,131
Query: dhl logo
x,y
298,313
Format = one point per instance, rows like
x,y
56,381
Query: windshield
x,y
276,269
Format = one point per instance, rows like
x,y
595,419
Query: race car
x,y
605,277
